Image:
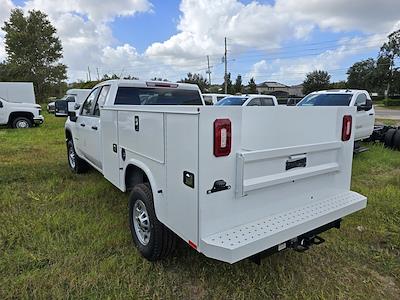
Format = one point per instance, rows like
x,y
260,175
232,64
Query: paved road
x,y
384,113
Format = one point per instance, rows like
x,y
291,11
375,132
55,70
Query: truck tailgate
x,y
289,173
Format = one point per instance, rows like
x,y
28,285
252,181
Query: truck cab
x,y
365,115
20,115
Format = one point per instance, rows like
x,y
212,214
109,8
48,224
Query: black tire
x,y
396,140
21,122
77,165
389,138
161,241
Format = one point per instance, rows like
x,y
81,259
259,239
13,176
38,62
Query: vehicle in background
x,y
249,100
20,115
293,101
212,99
74,99
228,181
18,92
365,115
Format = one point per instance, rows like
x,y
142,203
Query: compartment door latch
x,y
219,185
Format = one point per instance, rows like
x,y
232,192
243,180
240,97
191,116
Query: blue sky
x,y
278,40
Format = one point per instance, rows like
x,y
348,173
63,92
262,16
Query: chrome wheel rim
x,y
22,124
71,157
141,222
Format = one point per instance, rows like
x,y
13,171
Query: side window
x,y
70,99
102,98
208,100
361,100
267,102
255,102
88,105
1,104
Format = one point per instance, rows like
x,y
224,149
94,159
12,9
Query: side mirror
x,y
61,108
365,107
72,116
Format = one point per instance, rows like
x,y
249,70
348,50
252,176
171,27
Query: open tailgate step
x,y
248,239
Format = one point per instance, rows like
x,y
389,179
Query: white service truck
x,y
227,180
74,99
364,116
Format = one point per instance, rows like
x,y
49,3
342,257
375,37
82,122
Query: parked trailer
x,y
224,179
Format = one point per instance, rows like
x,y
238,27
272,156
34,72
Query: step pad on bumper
x,y
248,239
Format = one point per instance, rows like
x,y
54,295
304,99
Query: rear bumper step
x,y
246,240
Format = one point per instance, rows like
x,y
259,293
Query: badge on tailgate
x,y
296,161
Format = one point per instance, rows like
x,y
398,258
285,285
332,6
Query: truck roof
x,y
149,83
339,91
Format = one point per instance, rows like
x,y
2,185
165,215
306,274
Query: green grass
x,y
67,236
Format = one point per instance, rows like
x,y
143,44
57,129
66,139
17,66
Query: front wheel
x,y
76,164
153,240
21,122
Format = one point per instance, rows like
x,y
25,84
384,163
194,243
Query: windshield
x,y
232,101
326,100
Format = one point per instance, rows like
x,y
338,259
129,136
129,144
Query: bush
x,y
391,102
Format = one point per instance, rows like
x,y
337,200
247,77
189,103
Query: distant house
x,y
280,90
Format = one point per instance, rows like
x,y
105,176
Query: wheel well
x,y
17,114
133,176
68,135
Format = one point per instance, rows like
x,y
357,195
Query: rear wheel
x,y
21,122
153,240
76,164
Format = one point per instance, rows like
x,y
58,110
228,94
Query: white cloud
x,y
83,27
95,10
87,38
204,24
5,8
363,15
293,70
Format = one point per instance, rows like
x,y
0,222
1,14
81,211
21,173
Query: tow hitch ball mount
x,y
302,244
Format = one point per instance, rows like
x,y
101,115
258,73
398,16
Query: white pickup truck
x,y
20,115
224,179
365,115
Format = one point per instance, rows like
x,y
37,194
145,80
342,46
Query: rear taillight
x,y
346,128
222,137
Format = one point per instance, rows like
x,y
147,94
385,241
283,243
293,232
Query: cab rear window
x,y
156,96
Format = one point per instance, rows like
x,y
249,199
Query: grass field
x,y
67,236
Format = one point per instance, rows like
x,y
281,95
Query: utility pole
x,y
98,75
90,78
208,70
390,77
226,69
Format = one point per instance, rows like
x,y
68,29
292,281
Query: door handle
x,y
371,114
83,124
94,127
